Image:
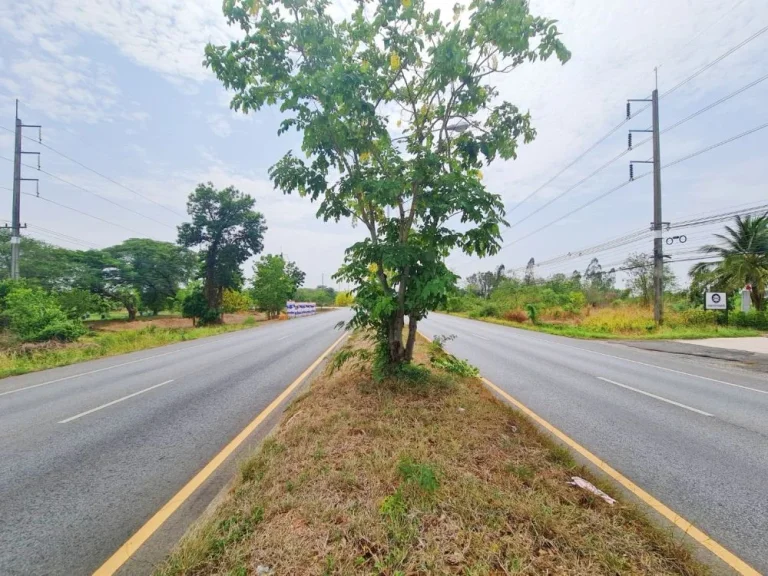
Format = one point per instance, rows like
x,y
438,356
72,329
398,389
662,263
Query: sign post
x,y
716,301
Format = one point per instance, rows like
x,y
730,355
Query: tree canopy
x,y
274,283
154,269
228,231
419,195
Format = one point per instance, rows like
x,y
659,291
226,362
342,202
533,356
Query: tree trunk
x,y
131,313
412,325
395,339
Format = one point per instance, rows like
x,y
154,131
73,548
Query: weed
x,y
561,455
420,474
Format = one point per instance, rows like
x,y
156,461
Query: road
x,y
89,452
692,435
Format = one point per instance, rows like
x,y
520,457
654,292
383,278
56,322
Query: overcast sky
x,y
118,85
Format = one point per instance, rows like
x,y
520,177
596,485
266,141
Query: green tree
x,y
337,82
639,269
322,295
228,231
194,304
34,315
297,276
235,301
744,257
273,286
41,264
154,269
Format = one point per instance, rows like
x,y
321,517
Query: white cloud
x,y
219,125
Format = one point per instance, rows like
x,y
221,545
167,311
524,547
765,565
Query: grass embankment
x,y
23,359
432,477
623,324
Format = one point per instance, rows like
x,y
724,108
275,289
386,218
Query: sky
x,y
119,87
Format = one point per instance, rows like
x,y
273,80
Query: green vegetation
x,y
743,256
420,195
344,299
366,477
589,305
275,281
16,360
228,232
322,295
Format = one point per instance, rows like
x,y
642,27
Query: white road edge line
x,y
92,410
283,338
478,336
547,340
654,396
100,370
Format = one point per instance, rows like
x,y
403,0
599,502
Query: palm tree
x,y
744,257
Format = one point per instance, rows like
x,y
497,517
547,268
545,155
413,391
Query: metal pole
x,y
16,212
658,250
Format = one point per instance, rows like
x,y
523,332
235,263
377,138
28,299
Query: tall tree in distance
x,y
228,232
155,269
419,195
639,269
274,283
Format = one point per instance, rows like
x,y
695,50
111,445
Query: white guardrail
x,y
296,309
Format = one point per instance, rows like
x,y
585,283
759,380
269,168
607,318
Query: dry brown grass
x,y
438,478
167,322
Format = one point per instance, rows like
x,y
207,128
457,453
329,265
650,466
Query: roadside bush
x,y
77,304
515,316
694,317
752,319
533,313
235,301
195,306
35,316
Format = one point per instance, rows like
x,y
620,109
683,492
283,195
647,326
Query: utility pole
x,y
16,212
657,224
658,245
17,180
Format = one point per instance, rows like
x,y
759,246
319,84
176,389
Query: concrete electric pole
x,y
657,224
17,180
658,250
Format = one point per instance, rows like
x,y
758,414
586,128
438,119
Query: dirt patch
x,y
436,477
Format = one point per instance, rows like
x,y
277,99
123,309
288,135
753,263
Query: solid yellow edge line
x,y
728,557
121,556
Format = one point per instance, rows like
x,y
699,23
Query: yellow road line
x,y
726,556
125,551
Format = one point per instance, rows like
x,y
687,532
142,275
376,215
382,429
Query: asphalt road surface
x,y
89,452
693,435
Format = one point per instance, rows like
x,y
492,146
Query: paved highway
x,y
693,435
89,452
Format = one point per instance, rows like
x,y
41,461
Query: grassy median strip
x,y
433,476
21,360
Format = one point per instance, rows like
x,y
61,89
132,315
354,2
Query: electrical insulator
x,y
629,140
631,172
629,113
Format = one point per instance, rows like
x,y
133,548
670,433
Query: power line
x,y
115,182
715,103
622,185
83,213
715,61
60,179
611,132
617,127
707,28
625,152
